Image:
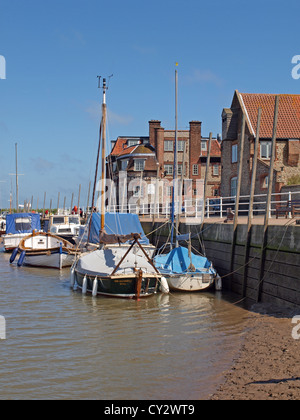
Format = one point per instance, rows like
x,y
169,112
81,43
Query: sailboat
x,y
183,269
120,267
186,271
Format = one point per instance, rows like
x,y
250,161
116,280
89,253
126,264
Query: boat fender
x,y
72,280
13,255
218,283
84,285
21,259
95,287
164,288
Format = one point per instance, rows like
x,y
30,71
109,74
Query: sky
x,y
54,51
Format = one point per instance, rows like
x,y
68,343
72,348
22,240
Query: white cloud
x,y
114,118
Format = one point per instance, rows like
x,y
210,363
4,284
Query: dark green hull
x,y
123,287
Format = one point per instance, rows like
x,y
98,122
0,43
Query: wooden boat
x,y
43,249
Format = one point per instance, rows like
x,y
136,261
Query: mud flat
x,y
268,364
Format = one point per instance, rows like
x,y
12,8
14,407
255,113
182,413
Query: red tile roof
x,y
215,149
118,147
288,125
126,150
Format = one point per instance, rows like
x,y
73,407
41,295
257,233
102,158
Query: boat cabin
x,y
65,226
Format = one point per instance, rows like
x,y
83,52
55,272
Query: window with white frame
x,y
179,169
215,170
132,142
204,145
168,146
233,186
265,149
180,145
139,164
195,169
168,169
234,153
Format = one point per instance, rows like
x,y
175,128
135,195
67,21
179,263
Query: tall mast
x,y
103,137
175,163
96,171
103,155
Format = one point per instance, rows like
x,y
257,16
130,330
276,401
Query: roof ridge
x,y
270,94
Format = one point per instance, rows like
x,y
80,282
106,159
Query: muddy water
x,y
62,345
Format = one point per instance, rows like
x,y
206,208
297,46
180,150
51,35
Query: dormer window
x,y
204,145
132,142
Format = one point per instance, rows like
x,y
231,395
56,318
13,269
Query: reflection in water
x,y
63,345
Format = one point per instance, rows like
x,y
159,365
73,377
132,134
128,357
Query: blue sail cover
x,y
22,223
178,260
115,223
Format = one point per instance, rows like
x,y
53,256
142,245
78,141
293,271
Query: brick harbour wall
x,y
281,281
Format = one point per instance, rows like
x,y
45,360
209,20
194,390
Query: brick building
x,y
191,154
287,163
152,157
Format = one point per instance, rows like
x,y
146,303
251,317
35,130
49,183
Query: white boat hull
x,y
11,241
53,260
190,282
45,250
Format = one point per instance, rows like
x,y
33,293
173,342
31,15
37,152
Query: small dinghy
x,y
43,249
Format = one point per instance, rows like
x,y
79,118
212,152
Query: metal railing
x,y
214,206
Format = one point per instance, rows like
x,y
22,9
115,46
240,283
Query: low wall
x,y
281,266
